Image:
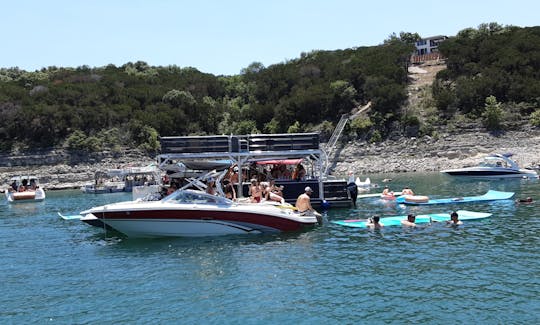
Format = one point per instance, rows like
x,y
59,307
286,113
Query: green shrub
x,y
493,114
375,137
535,118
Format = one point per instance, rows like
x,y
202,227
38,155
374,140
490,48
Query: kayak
x,y
422,218
489,196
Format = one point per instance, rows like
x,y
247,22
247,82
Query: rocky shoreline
x,y
59,170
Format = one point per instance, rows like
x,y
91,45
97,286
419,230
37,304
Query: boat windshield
x,y
188,196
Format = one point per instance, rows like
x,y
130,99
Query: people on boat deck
x,y
211,186
268,195
21,188
303,203
407,191
373,222
33,185
228,189
278,190
14,186
454,221
299,173
171,188
411,218
255,191
284,173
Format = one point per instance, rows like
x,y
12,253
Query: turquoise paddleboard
x,y
422,218
489,196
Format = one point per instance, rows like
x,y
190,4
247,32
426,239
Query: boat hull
x,y
198,222
26,196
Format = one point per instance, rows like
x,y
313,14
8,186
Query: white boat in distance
x,y
189,213
494,166
24,189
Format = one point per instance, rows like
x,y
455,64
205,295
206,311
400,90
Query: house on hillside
x,y
427,49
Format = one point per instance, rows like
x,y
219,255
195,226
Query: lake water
x,y
487,271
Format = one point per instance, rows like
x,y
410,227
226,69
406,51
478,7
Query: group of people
x,y
374,222
265,191
24,186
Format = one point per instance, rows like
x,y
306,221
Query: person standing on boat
x,y
303,203
352,188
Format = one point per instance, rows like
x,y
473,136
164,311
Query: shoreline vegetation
x,y
57,170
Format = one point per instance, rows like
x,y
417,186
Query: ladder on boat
x,y
331,145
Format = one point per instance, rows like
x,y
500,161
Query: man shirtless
x,y
454,221
303,203
411,218
374,223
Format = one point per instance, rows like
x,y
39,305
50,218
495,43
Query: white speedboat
x,y
24,189
189,213
494,166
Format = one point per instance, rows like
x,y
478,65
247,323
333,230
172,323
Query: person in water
x,y
409,222
407,191
374,223
303,203
528,199
454,219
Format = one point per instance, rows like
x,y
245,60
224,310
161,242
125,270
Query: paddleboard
x,y
70,217
423,218
489,196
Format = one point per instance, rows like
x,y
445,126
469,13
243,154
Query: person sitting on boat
x,y
13,186
171,188
299,173
268,195
228,189
454,221
411,218
33,185
407,191
255,191
284,173
211,186
374,223
303,203
278,190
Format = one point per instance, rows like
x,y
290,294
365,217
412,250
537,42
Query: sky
x,y
223,37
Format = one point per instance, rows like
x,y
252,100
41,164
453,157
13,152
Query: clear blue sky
x,y
222,37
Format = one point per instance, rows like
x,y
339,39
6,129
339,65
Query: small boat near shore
x,y
24,189
494,166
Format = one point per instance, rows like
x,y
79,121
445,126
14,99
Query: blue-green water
x,y
487,272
